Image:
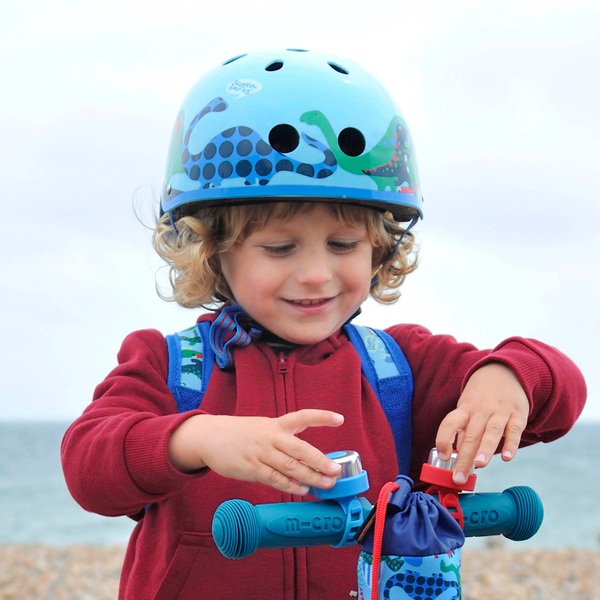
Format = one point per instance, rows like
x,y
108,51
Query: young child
x,y
291,188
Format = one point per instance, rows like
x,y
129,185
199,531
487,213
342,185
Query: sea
x,y
36,508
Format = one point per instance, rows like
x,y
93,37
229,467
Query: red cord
x,y
380,510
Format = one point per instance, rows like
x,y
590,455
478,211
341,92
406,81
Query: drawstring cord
x,y
380,512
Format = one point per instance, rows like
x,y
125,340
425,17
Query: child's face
x,y
301,278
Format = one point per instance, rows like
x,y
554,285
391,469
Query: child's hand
x,y
492,406
257,449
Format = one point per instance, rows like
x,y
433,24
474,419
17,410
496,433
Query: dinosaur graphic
x,y
416,585
402,581
240,152
191,359
450,569
389,163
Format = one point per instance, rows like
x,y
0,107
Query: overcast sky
x,y
502,99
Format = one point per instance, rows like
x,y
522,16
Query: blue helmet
x,y
289,125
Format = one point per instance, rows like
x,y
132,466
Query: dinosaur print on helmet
x,y
390,163
240,152
290,125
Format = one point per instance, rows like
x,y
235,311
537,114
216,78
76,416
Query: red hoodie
x,y
115,455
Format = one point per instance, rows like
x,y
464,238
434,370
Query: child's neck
x,y
269,337
274,340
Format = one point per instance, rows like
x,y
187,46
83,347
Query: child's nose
x,y
315,269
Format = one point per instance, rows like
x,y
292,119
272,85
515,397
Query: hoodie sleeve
x,y
115,455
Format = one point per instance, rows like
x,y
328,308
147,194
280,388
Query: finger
x,y
301,471
492,436
468,447
451,426
298,421
512,438
290,475
302,451
300,458
276,479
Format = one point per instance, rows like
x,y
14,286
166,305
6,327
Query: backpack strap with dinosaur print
x,y
191,360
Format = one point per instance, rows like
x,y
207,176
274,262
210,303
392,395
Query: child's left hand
x,y
492,406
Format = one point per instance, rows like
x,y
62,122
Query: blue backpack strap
x,y
388,372
191,361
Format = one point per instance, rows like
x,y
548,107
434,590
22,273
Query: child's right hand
x,y
259,449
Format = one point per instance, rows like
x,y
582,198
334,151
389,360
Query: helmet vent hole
x,y
227,62
351,141
338,68
284,138
274,66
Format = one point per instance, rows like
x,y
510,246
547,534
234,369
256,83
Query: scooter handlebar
x,y
239,528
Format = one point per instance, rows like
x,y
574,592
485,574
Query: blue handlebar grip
x,y
240,528
516,513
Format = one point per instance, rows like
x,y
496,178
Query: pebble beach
x,y
32,572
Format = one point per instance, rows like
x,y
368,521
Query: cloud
x,y
501,100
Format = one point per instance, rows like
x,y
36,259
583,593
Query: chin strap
x,y
395,249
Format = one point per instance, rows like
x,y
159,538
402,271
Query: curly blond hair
x,y
191,248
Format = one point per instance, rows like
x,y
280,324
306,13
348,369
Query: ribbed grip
x,y
236,529
529,513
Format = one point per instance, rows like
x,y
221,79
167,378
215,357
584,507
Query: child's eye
x,y
342,246
279,250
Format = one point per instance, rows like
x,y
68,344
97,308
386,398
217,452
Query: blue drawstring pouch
x,y
411,549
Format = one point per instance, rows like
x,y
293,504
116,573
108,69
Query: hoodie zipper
x,y
282,363
282,369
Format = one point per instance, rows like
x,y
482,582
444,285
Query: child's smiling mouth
x,y
310,302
